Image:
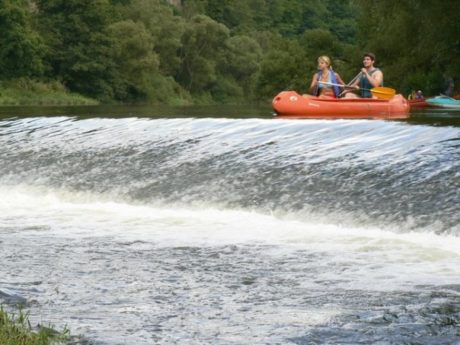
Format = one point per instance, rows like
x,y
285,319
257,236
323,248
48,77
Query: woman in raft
x,y
321,83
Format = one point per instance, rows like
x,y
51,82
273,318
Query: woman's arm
x,y
339,79
314,83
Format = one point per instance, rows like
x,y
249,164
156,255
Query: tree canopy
x,y
223,50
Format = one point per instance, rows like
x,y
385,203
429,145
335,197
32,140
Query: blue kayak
x,y
444,102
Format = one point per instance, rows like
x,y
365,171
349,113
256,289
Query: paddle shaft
x,y
375,90
354,79
339,85
351,82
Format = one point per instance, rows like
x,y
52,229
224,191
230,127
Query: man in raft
x,y
369,77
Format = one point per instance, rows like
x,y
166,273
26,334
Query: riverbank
x,y
25,92
15,329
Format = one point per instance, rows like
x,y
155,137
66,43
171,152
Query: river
x,y
224,225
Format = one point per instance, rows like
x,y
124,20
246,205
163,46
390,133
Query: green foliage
x,y
165,28
135,59
318,42
146,53
24,91
240,64
149,51
283,69
221,50
314,27
167,91
21,50
80,46
16,330
231,13
287,17
416,42
191,8
340,17
201,48
294,17
225,90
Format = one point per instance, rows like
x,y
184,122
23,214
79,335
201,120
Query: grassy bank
x,y
25,92
16,330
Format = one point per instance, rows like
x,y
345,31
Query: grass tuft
x,y
16,330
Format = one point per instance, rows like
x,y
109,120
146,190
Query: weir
x,y
136,230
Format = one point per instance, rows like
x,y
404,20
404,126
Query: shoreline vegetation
x,y
25,92
15,329
199,52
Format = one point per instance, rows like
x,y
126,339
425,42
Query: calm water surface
x,y
223,225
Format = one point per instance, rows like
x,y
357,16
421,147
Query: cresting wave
x,y
60,210
243,231
151,274
389,175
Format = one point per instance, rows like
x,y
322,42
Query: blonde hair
x,y
326,59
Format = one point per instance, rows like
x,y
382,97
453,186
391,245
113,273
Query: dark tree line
x,y
417,41
222,50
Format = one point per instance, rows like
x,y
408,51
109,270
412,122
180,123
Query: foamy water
x,y
217,231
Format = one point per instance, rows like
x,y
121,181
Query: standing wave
x,y
389,174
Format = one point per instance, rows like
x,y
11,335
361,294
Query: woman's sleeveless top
x,y
332,79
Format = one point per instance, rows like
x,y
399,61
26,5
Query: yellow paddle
x,y
382,92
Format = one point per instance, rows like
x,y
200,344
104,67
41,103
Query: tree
x,y
22,48
79,44
135,59
284,67
241,62
202,45
149,50
417,42
165,27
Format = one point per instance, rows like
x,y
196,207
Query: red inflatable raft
x,y
291,104
418,103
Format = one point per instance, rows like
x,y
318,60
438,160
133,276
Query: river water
x,y
217,225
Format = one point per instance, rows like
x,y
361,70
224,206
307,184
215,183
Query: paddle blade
x,y
383,92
